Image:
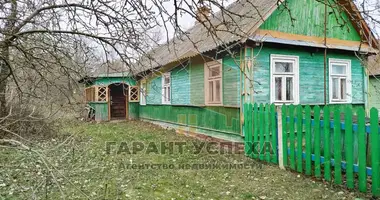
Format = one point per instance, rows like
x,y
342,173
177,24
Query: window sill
x,y
340,102
213,105
282,103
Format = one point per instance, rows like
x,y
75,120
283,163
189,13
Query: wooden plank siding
x,y
217,121
101,110
154,87
187,108
309,20
311,69
231,81
187,84
197,82
180,86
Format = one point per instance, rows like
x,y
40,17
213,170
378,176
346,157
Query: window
x,y
213,83
142,93
90,94
340,81
134,94
166,88
284,79
96,94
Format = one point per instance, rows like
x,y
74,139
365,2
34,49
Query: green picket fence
x,y
337,145
260,130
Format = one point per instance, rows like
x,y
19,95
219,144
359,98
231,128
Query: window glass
x,y
338,69
343,91
278,88
214,71
335,88
283,67
167,80
211,91
217,91
289,88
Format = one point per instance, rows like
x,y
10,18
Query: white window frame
x,y
207,79
295,74
347,64
143,93
165,99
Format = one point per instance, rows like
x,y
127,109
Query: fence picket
x,y
274,133
292,137
284,136
267,133
317,141
349,144
249,128
299,138
337,148
308,139
362,138
256,125
247,147
262,124
250,108
375,151
326,135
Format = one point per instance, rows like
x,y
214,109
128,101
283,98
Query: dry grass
x,y
82,169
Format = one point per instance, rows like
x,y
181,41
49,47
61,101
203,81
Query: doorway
x,y
118,101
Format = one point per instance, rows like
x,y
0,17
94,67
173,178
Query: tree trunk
x,y
4,74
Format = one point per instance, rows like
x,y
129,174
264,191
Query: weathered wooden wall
x,y
231,81
309,19
215,121
154,87
134,110
187,107
180,87
311,69
187,84
101,110
197,89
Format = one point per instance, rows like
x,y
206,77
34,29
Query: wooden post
x,y
279,138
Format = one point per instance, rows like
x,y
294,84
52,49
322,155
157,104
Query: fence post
x,y
279,138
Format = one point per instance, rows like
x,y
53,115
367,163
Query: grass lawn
x,y
76,165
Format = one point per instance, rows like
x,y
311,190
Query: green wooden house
x,y
296,52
